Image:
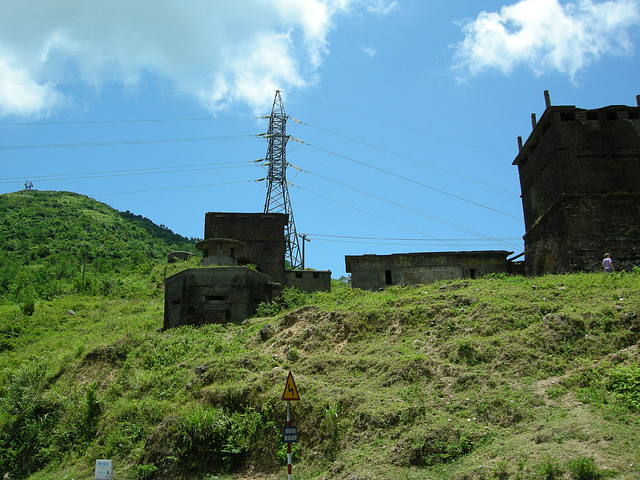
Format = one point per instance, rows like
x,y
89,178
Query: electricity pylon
x,y
277,192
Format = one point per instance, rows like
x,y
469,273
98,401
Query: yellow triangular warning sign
x,y
290,389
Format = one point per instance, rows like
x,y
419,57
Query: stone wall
x,y
262,235
309,280
371,272
198,296
580,181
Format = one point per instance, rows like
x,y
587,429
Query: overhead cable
x,y
171,188
410,209
372,214
391,243
351,237
126,142
407,158
413,181
158,120
408,127
127,173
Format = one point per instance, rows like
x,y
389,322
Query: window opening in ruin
x,y
298,274
316,275
215,298
472,273
567,117
612,116
216,316
592,115
387,277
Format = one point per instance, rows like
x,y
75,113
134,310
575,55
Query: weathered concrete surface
x,y
198,296
580,181
262,235
371,272
309,280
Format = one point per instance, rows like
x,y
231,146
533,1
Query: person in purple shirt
x,y
607,263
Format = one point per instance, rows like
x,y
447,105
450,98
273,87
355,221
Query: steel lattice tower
x,y
277,192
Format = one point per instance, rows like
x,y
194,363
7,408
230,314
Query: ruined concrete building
x,y
372,272
580,181
197,296
262,235
245,256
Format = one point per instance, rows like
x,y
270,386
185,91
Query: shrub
x,y
291,298
28,307
92,412
624,382
145,472
26,421
204,438
27,299
584,469
550,469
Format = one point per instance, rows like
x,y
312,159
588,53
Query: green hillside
x,y
48,239
492,378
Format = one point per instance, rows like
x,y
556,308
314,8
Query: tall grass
x,y
493,377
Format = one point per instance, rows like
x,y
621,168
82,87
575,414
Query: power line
x,y
410,209
422,240
370,214
159,120
126,142
133,170
493,240
172,188
400,244
409,158
410,180
126,173
386,120
115,87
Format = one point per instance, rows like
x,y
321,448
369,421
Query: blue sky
x,y
410,109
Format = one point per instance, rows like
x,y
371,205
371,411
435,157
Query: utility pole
x,y
304,238
277,192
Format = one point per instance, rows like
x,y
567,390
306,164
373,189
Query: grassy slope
x,y
38,225
491,378
51,241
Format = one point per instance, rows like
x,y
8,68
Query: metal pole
x,y
289,443
303,236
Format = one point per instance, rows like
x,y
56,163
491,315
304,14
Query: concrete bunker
x,y
372,272
243,265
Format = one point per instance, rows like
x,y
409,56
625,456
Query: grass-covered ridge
x,y
52,243
492,378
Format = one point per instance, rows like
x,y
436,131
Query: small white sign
x,y
104,470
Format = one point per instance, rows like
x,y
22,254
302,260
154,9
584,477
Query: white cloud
x,y
21,95
546,35
369,51
220,52
382,7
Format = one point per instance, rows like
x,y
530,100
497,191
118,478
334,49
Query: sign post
x,y
104,470
290,432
